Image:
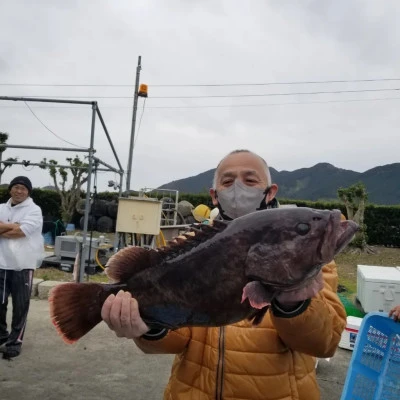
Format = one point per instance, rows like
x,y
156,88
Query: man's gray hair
x,y
269,180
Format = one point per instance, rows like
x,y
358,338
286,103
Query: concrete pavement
x,y
102,367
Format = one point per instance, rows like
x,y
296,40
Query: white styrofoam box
x,y
349,335
378,288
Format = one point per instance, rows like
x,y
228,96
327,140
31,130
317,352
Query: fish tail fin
x,y
75,308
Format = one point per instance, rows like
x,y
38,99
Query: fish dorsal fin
x,y
131,260
128,262
192,237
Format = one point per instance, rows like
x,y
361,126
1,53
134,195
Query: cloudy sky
x,y
92,48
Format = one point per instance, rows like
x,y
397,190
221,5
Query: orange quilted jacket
x,y
274,360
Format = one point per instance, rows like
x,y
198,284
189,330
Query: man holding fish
x,y
273,358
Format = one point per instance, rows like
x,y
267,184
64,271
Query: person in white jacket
x,y
21,251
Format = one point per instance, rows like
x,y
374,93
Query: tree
x,y
7,162
354,198
69,197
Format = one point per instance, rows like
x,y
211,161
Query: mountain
x,y
195,184
49,187
319,182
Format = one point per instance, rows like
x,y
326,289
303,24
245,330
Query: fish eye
x,y
302,228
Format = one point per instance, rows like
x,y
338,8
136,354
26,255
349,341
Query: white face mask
x,y
239,199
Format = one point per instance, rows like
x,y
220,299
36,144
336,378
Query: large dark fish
x,y
220,275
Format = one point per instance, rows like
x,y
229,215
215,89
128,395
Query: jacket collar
x,y
25,203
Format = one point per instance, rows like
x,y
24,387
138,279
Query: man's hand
x,y
13,231
290,300
395,313
121,314
7,227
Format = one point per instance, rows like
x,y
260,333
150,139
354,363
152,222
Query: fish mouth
x,y
345,232
337,232
295,285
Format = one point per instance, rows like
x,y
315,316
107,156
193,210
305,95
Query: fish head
x,y
291,245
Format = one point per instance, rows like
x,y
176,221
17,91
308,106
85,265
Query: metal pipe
x,y
87,200
118,235
51,165
46,100
132,142
106,165
109,138
121,179
18,146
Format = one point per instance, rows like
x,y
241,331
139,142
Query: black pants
x,y
18,284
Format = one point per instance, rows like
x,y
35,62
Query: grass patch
x,y
347,263
347,270
54,274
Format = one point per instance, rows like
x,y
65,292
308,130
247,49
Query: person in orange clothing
x,y
395,313
271,361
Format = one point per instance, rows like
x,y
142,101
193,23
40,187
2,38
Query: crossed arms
x,y
11,231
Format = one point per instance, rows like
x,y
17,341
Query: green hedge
x,y
319,205
48,200
383,222
109,196
383,225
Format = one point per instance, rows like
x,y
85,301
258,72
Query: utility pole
x,y
132,143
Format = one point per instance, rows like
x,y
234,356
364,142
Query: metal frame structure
x,y
149,192
92,160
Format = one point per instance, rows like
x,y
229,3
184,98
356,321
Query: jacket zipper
x,y
220,366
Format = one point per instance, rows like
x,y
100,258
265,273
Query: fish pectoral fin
x,y
128,262
258,316
258,295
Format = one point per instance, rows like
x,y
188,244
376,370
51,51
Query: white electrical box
x,y
349,335
68,246
139,215
378,288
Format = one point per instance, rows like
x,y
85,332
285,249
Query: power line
x,y
207,84
230,96
283,83
66,141
64,85
276,94
140,123
224,105
278,104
